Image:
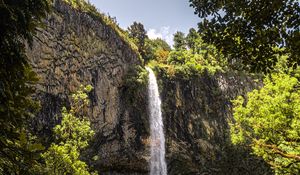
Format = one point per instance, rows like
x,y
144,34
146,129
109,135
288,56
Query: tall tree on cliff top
x,y
193,40
19,18
179,41
250,31
139,35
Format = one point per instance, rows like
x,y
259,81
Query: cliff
x,y
76,48
197,112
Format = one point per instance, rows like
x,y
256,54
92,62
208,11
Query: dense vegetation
x,y
270,121
190,55
72,136
261,37
18,150
251,33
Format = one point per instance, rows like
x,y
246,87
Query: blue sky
x,y
161,18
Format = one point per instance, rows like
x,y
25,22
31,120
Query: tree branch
x,y
277,150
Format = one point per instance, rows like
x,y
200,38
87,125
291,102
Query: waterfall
x,y
157,138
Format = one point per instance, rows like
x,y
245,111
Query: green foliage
x,y
157,49
77,3
179,41
149,49
247,32
161,55
193,40
201,57
72,136
252,35
138,76
175,71
160,44
123,34
190,57
133,97
138,34
27,150
179,57
18,149
269,121
197,45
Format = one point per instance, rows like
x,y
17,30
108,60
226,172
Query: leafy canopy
x,y
138,33
179,41
157,49
190,56
249,32
194,54
269,122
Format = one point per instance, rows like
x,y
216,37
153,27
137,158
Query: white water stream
x,y
157,138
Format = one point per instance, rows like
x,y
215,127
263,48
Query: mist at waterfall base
x,y
157,138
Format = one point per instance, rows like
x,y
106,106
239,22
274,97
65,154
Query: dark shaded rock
x,y
196,114
73,49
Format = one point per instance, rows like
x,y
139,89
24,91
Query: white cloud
x,y
153,34
164,33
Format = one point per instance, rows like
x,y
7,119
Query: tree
x,y
192,52
195,43
179,41
159,43
179,57
250,32
139,35
269,122
193,40
72,135
19,20
157,49
161,55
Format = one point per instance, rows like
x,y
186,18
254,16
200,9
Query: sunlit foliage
x,y
268,121
72,136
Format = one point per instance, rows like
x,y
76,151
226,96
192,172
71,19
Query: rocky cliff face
x,y
196,115
75,48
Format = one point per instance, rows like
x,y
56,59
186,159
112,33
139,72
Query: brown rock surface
x,y
73,49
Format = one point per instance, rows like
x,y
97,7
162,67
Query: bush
x,y
72,136
269,122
